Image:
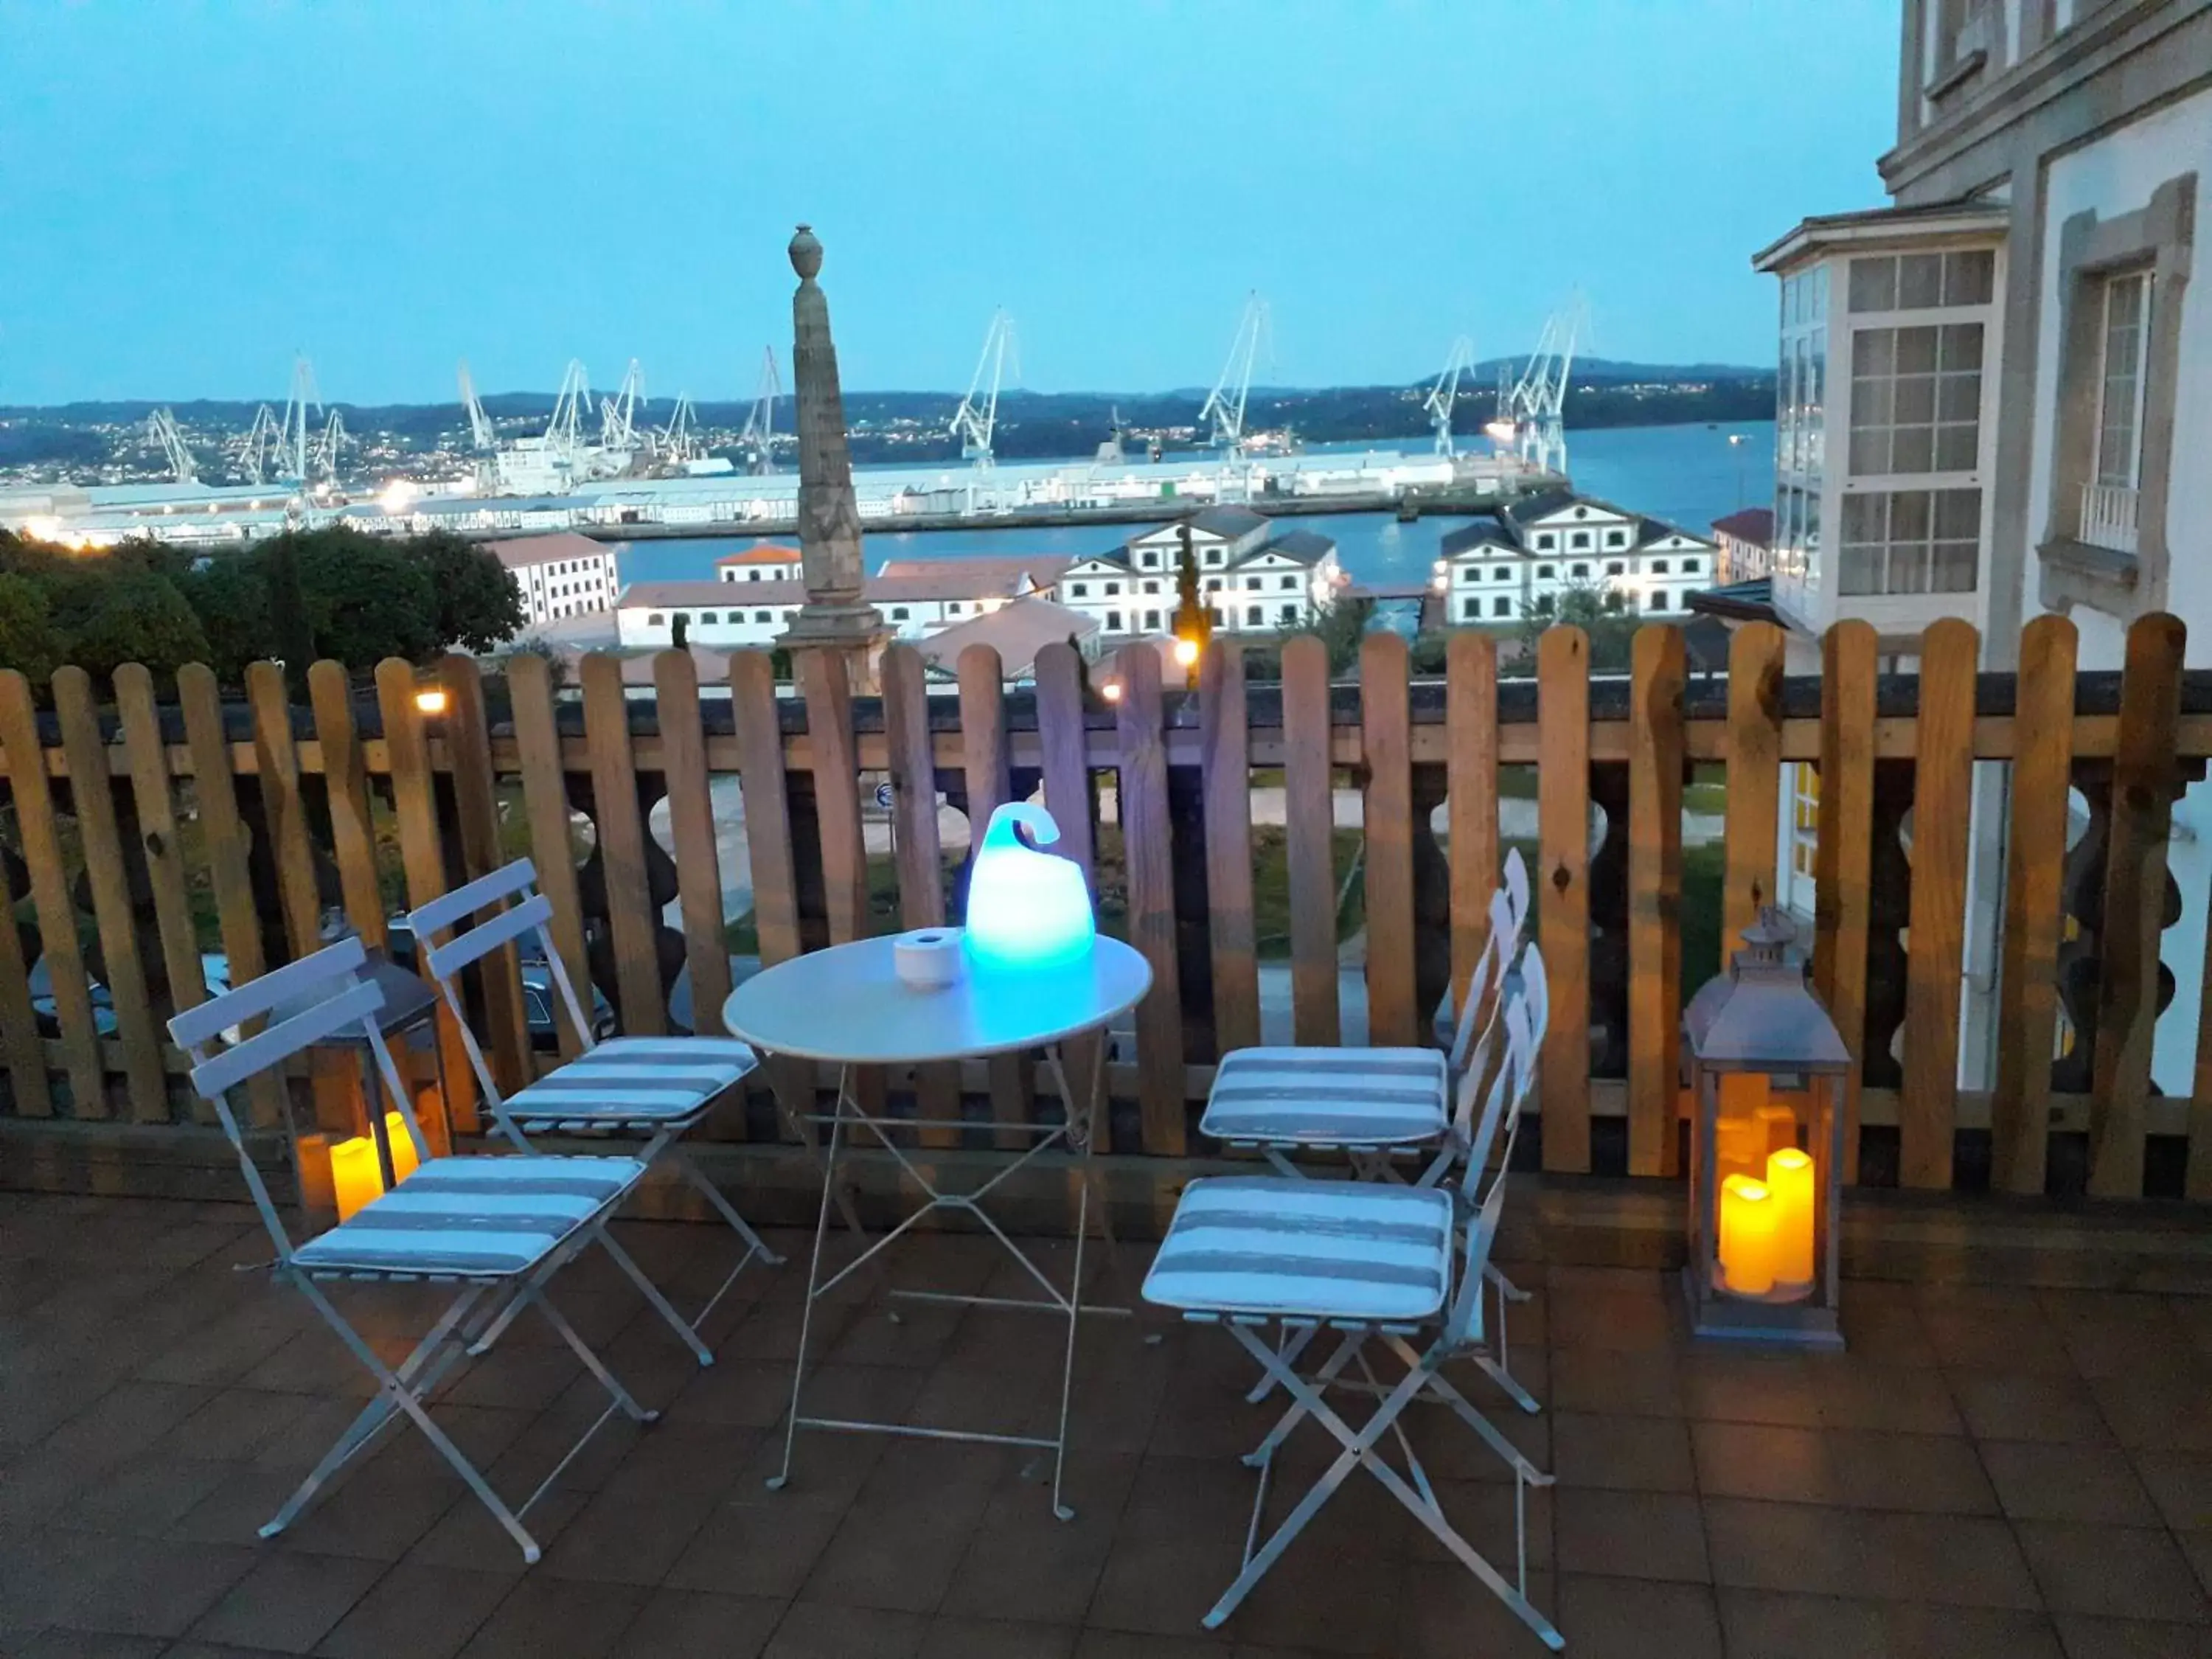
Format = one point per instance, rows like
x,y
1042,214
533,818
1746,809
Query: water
x,y
1687,475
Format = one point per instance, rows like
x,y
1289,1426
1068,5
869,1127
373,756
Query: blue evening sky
x,y
190,193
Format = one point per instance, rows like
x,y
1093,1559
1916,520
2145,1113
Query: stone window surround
x,y
2156,239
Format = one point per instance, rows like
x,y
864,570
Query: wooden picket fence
x,y
286,806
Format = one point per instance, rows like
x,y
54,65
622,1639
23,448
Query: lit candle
x,y
1780,1124
1747,1242
1790,1178
1739,1146
404,1161
354,1177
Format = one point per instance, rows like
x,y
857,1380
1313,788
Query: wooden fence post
x,y
1143,795
1387,739
918,855
691,826
1563,911
1754,777
986,771
1654,900
632,925
1471,787
545,805
475,809
1225,761
1843,894
1310,835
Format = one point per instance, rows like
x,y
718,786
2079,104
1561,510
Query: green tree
x,y
28,640
1341,627
479,602
366,598
135,616
229,594
291,637
1598,608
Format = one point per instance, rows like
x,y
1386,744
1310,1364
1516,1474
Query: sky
x,y
192,190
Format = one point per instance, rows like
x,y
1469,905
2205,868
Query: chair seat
x,y
635,1080
487,1216
1315,1097
1322,1249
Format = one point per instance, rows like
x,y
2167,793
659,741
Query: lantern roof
x,y
1761,1015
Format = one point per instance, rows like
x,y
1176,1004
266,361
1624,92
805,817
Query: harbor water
x,y
1688,476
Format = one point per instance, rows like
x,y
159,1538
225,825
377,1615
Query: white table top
x,y
847,1004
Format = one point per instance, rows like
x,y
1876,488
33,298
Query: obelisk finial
x,y
837,615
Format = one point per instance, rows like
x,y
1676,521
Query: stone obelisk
x,y
837,616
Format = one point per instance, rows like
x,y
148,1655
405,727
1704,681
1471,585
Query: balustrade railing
x,y
148,845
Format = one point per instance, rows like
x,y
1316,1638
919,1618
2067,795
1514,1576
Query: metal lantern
x,y
1767,1069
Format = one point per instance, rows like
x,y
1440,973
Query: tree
x,y
367,599
1341,627
28,640
291,637
479,603
556,666
1597,608
137,617
230,596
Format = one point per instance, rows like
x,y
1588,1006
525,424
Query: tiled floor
x,y
2003,1473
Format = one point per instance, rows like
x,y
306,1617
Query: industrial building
x,y
563,575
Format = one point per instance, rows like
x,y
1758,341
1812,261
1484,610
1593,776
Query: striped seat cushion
x,y
472,1215
1323,1250
1330,1097
635,1080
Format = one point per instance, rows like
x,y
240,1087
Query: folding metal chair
x,y
1375,1263
497,1228
640,1088
1371,1104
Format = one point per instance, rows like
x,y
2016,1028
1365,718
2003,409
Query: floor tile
x,y
627,1537
1797,1547
1644,1454
2179,1483
1609,1617
84,1644
1762,1624
2123,1573
1970,1560
422,1611
1742,1387
991,1639
1632,1535
1594,1380
138,1587
1936,1472
548,1618
288,1603
824,1630
2011,1406
760,1548
1445,1613
1764,1460
2129,1638
1177,1548
1899,1399
2096,1483
1343,1609
1024,1565
694,1625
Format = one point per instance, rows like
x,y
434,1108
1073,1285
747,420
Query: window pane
x,y
1916,350
1962,345
1920,281
1870,450
1908,516
1874,352
1863,518
1915,403
1969,279
1960,398
1912,449
1958,514
1873,284
1954,449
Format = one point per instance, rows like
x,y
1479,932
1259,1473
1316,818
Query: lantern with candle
x,y
1767,1068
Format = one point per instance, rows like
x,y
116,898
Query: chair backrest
x,y
1478,1009
1516,887
531,912
1508,1090
1463,1319
329,995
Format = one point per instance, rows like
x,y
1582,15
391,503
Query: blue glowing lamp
x,y
1026,909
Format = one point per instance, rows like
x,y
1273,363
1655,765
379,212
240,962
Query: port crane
x,y
757,439
326,447
260,445
675,442
481,436
1445,393
1225,405
1538,398
294,440
977,417
161,428
618,414
564,433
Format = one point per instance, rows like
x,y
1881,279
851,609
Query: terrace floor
x,y
1988,1472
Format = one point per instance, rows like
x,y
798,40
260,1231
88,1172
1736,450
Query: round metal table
x,y
847,1005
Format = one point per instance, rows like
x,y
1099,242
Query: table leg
x,y
1084,1142
1067,1363
813,1278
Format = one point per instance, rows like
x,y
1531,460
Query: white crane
x,y
481,436
326,447
294,440
758,440
1445,393
564,433
975,421
674,442
1538,398
1224,404
259,447
618,414
161,428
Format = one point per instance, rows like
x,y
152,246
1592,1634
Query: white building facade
x,y
1519,563
563,575
1996,395
1252,579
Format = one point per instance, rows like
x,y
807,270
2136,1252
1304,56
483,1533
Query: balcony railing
x,y
2108,517
140,838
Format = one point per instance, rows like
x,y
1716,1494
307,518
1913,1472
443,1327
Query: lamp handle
x,y
1000,831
